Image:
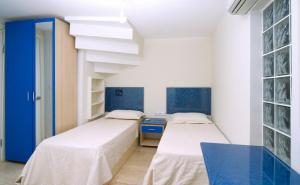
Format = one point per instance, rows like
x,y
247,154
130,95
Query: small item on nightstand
x,y
151,130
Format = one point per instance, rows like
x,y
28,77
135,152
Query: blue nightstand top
x,y
154,121
229,164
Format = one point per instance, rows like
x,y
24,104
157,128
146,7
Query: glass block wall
x,y
277,78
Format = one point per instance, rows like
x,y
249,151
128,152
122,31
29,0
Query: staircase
x,y
110,44
106,45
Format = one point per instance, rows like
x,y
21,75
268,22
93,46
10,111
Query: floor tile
x,y
9,172
134,170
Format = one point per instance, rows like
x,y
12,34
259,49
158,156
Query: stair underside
x,y
110,43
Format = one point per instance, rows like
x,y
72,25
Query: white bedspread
x,y
82,156
179,160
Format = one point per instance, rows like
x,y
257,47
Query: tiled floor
x,y
9,172
132,173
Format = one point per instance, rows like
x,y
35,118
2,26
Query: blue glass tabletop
x,y
154,121
228,164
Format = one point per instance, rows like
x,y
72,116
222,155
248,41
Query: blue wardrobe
x,y
38,84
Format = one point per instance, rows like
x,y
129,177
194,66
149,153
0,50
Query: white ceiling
x,y
152,18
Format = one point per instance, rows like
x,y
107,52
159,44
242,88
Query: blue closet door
x,y
19,88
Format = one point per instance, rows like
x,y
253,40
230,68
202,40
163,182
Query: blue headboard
x,y
124,98
189,100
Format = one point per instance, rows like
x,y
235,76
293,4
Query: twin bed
x,y
87,155
92,153
179,159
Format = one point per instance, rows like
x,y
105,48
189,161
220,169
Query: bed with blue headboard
x,y
194,99
102,145
180,144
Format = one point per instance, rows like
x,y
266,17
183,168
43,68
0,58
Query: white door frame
x,y
295,126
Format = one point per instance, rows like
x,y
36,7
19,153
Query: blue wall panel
x,y
124,98
189,100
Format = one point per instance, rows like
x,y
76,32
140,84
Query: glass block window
x,y
276,37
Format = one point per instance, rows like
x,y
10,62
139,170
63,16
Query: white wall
x,y
231,77
181,62
256,71
256,85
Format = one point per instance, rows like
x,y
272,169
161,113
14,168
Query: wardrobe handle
x,y
33,96
28,96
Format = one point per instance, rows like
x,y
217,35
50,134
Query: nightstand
x,y
151,130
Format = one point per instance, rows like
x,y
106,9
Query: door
x,y
19,90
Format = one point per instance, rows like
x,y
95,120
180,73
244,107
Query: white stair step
x,y
95,30
109,21
107,68
110,45
107,27
112,58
